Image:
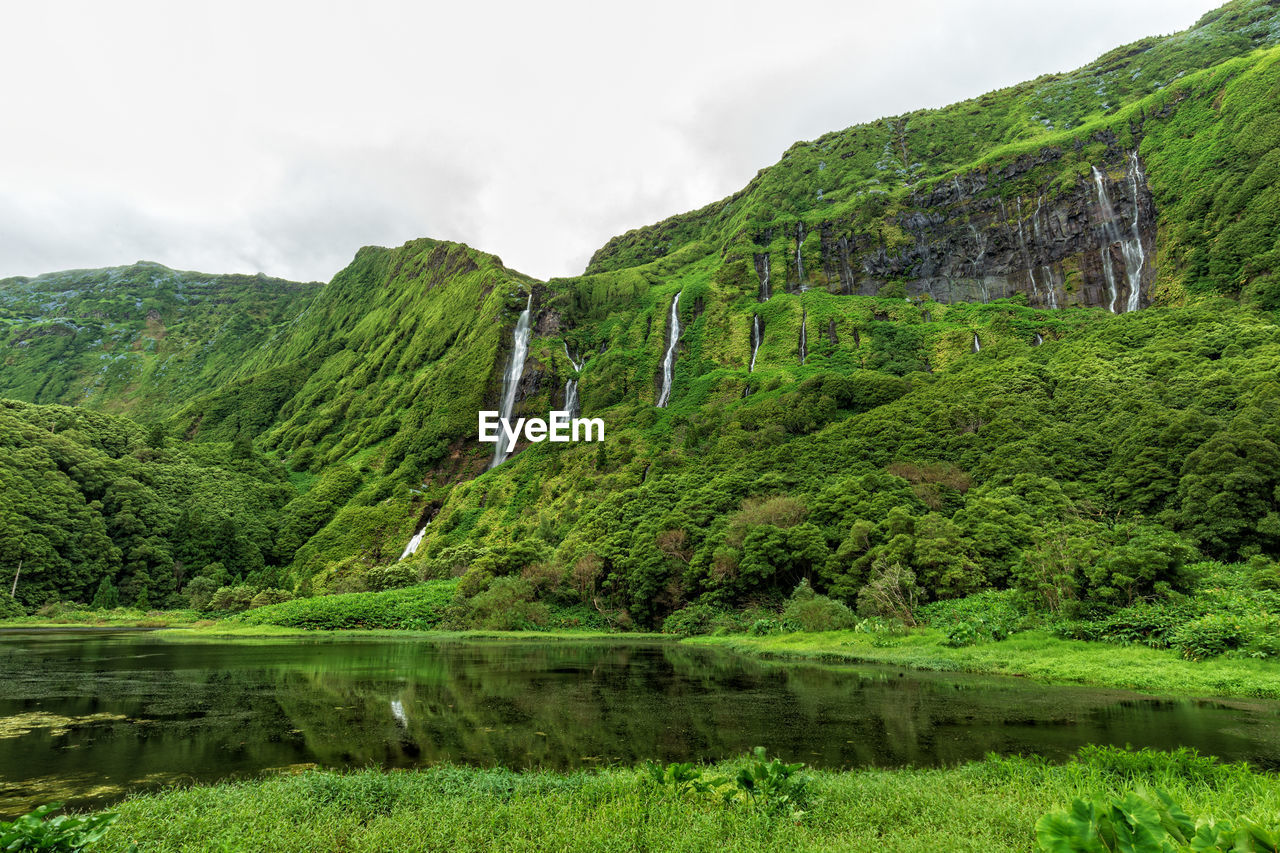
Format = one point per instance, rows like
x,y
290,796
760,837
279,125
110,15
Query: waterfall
x,y
762,272
757,334
669,360
412,547
571,404
515,369
800,260
1026,254
804,335
980,241
1039,236
1109,272
846,272
977,346
1112,235
1039,340
1134,257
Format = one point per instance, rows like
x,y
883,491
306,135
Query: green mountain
x,y
137,339
1027,340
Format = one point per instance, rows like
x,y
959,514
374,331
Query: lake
x,y
87,717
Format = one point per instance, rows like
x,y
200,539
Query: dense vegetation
x,y
992,805
139,339
1117,477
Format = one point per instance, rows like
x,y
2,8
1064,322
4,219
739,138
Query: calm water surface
x,y
85,718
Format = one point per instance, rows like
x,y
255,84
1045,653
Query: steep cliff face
x,y
999,195
1091,243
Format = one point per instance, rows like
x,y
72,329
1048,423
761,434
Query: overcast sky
x,y
282,136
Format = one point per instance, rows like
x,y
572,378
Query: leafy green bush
x,y
813,612
1255,635
62,834
1148,624
988,615
507,605
768,785
961,634
691,620
772,785
395,576
1142,822
10,608
232,599
414,608
270,596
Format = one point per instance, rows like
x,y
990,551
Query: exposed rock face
x,y
1092,245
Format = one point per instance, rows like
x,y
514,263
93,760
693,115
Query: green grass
x,y
1029,654
987,806
120,617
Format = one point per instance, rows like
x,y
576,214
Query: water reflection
x,y
87,718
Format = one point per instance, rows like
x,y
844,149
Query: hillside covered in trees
x,y
1026,344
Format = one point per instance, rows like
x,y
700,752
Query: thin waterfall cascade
x,y
1039,340
511,380
1039,241
1108,217
762,272
1134,257
804,335
757,335
412,547
799,259
1026,254
977,345
846,271
571,402
669,360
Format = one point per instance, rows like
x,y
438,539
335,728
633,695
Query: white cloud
x,y
282,136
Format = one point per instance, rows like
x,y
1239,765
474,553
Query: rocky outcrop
x,y
971,241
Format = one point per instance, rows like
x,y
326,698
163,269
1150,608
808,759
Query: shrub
x,y
1256,635
1147,821
891,592
691,620
1148,624
61,834
270,596
232,599
763,626
199,592
9,607
508,605
961,634
988,615
395,576
107,596
813,612
1209,636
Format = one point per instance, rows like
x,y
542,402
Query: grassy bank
x,y
990,805
1030,654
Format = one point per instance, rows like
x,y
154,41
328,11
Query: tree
x,y
1229,495
107,597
